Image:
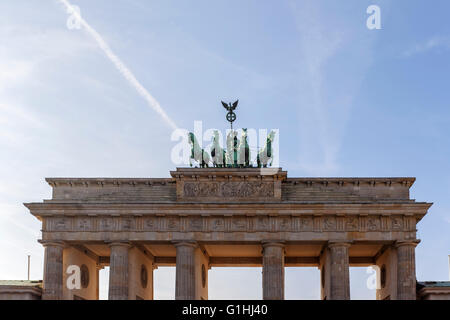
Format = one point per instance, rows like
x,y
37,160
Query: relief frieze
x,y
195,224
373,224
150,224
83,224
106,224
396,223
127,224
228,189
217,224
61,224
239,224
352,224
283,223
329,223
305,224
172,223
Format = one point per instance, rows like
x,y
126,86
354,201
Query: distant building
x,y
20,290
433,290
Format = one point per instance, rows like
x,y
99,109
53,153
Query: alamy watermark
x,y
73,21
374,20
374,280
73,281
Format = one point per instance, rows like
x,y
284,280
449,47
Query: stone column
x,y
118,271
273,271
185,271
406,269
53,271
339,273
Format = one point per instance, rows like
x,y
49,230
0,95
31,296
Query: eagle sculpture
x,y
230,107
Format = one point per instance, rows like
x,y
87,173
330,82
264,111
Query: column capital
x,y
339,243
413,242
272,243
185,243
47,243
118,243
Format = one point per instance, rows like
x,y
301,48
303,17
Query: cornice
x,y
237,173
355,181
56,182
416,209
250,205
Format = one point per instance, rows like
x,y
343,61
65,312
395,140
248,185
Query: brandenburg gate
x,y
202,218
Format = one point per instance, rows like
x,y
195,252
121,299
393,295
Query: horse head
x,y
244,134
191,138
216,136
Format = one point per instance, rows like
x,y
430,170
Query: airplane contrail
x,y
121,67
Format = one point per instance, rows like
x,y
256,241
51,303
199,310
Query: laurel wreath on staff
x,y
230,107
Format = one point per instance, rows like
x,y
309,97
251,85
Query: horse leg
x,y
247,158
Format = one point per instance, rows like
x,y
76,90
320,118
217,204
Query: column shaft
x,y
406,270
53,272
118,271
185,271
273,271
339,273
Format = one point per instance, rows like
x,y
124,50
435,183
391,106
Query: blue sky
x,y
348,101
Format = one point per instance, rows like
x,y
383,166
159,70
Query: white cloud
x,y
17,125
14,71
10,114
434,43
24,228
328,81
33,45
318,46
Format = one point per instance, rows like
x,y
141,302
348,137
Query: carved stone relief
x,y
239,223
230,189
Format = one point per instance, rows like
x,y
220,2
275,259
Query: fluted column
x,y
273,271
118,271
406,270
339,273
185,271
53,271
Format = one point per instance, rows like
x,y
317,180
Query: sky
x,y
101,97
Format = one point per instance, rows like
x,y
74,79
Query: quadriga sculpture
x,y
244,150
266,155
232,149
218,154
198,154
236,155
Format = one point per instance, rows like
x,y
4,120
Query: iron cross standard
x,y
231,116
